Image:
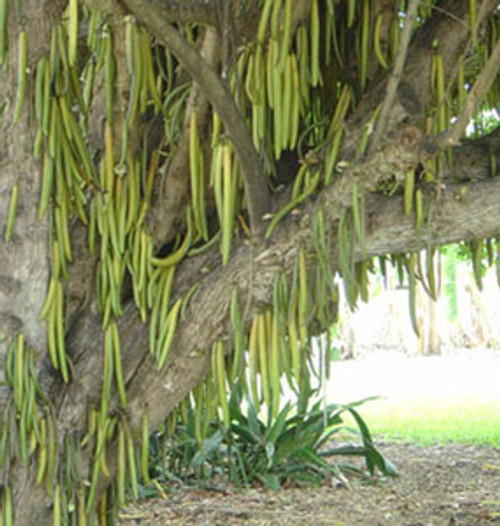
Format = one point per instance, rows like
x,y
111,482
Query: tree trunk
x,y
25,261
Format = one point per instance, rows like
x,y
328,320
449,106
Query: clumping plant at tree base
x,y
180,185
289,448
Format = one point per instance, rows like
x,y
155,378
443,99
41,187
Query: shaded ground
x,y
438,486
450,485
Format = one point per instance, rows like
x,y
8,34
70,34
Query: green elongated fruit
x,y
362,271
249,81
220,376
263,344
7,506
216,178
377,41
331,158
160,307
275,16
56,517
62,230
21,76
164,307
131,463
412,286
73,32
311,187
60,340
19,372
117,355
285,35
440,92
431,272
48,299
315,43
357,213
302,43
12,213
187,299
199,401
274,366
229,190
346,246
279,99
408,193
419,214
365,39
303,297
259,77
286,98
42,453
145,449
272,51
175,257
40,89
121,478
147,60
340,111
253,360
51,334
172,324
295,104
107,377
264,20
144,248
395,33
293,339
351,11
369,127
238,337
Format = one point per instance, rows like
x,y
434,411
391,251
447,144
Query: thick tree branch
x,y
455,215
257,193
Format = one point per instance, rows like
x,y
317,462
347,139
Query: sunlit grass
x,y
426,421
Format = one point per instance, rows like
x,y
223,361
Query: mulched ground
x,y
441,485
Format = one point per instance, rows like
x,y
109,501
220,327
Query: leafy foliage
x,y
293,447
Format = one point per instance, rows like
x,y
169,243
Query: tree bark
x,y
455,214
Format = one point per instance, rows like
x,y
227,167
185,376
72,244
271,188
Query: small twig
x,y
395,76
484,80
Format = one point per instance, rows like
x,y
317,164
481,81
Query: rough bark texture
x,y
455,214
22,291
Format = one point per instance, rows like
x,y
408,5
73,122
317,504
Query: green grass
x,y
428,421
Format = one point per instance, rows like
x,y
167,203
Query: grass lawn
x,y
428,420
451,398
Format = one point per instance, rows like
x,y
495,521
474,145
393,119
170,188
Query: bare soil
x,y
438,486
